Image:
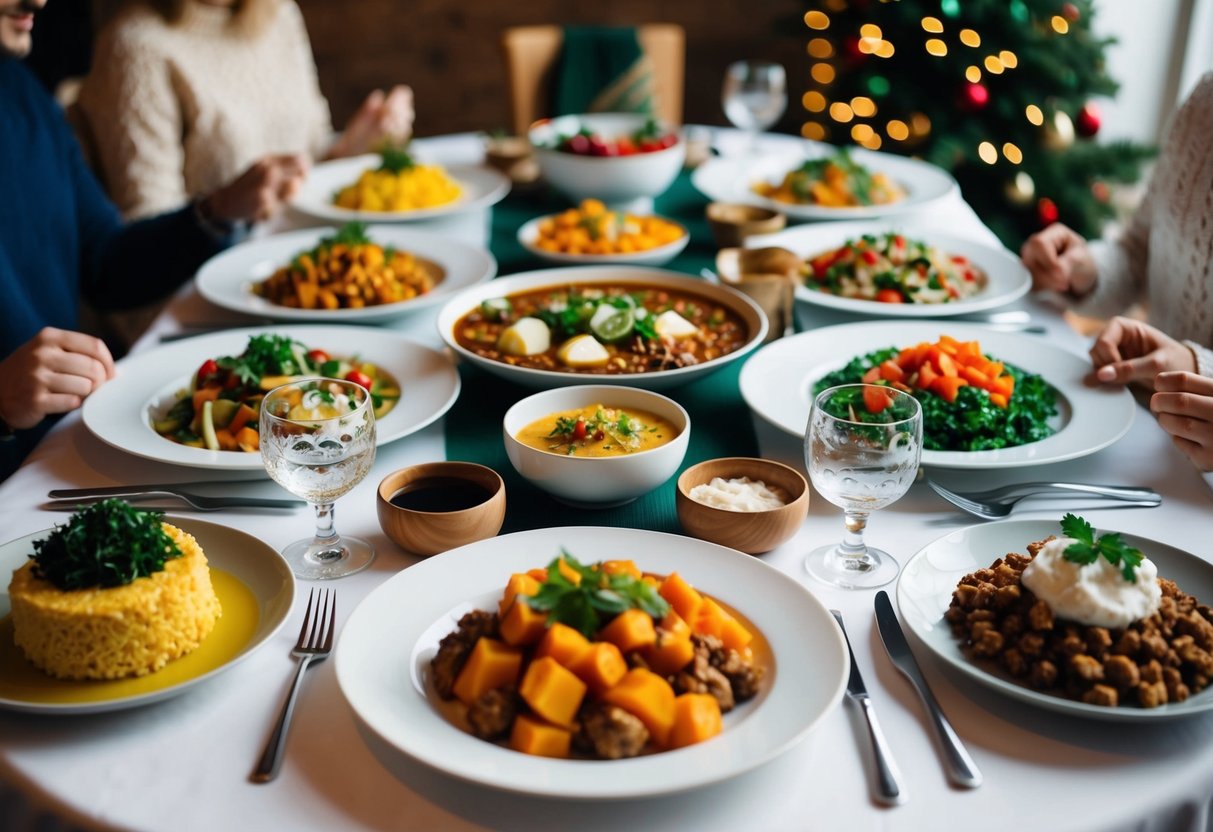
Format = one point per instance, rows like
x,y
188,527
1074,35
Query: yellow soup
x,y
598,430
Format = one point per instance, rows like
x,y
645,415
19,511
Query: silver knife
x,y
886,779
960,768
201,501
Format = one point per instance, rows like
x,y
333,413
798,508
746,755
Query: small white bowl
x,y
615,180
529,233
595,482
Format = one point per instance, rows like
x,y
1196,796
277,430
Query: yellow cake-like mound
x,y
114,632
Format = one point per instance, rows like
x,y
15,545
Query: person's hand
x,y
260,192
1183,403
52,372
1059,260
382,118
1128,351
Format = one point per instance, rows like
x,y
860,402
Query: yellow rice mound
x,y
119,631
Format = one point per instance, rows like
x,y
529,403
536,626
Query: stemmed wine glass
x,y
318,442
755,95
862,447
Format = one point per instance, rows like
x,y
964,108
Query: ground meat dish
x,y
455,647
1163,658
718,671
609,732
491,716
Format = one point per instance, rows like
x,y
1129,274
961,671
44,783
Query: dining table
x,y
184,763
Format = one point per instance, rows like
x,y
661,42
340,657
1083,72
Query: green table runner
x,y
720,420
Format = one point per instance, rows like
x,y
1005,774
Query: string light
x,y
868,45
872,142
813,101
862,133
884,49
973,75
813,130
993,65
820,48
920,125
840,111
1012,153
932,25
970,38
1034,114
870,30
1008,59
987,152
937,47
863,106
1060,24
898,130
822,73
816,20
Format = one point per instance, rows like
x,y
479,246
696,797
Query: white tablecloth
x,y
183,764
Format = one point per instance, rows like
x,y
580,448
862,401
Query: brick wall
x,y
448,51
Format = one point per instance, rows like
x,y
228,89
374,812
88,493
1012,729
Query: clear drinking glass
x,y
862,448
318,442
755,95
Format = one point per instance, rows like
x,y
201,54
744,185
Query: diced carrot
x,y
994,369
890,371
244,414
876,399
926,375
909,359
947,387
948,345
975,377
998,399
969,349
248,439
871,375
944,363
205,394
1004,385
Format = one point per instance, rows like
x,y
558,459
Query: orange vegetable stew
x,y
597,661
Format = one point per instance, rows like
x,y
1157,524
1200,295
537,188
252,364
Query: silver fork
x,y
314,644
998,502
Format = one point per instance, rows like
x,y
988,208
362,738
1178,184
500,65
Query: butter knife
x,y
886,779
958,765
205,502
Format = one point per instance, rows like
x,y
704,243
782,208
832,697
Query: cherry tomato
x,y
208,368
668,140
650,145
360,378
579,429
870,257
317,356
889,296
579,144
626,146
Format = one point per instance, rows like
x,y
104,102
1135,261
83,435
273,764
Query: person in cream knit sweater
x,y
1165,258
184,94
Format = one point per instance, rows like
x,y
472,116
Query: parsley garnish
x,y
265,355
1088,548
107,544
395,159
587,605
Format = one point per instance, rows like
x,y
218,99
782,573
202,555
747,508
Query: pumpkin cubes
x,y
530,736
696,718
491,664
552,691
649,698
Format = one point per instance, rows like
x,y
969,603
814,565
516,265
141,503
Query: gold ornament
x,y
1058,132
1020,190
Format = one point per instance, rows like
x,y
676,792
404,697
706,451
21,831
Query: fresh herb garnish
x,y
1089,548
107,544
395,159
589,600
266,355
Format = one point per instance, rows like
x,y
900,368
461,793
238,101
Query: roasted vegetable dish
x,y
597,661
605,329
220,409
970,402
836,181
888,268
592,229
349,271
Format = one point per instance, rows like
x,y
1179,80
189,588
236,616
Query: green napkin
x,y
602,69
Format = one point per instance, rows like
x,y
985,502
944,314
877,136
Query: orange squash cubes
x,y
523,625
519,584
530,736
552,691
696,718
600,666
673,650
630,630
491,664
649,698
562,643
681,596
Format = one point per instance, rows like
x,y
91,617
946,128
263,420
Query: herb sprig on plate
x,y
586,597
1109,546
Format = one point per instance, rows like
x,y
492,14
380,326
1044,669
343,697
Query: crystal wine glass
x,y
862,447
318,442
755,95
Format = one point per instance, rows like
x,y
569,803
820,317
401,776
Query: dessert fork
x,y
998,502
314,644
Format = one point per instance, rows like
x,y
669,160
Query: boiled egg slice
x,y
526,336
582,351
674,325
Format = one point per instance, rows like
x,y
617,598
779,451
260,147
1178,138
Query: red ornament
x,y
1070,12
974,97
1086,123
1046,211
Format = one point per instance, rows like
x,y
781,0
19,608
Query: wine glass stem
x,y
752,142
852,545
326,533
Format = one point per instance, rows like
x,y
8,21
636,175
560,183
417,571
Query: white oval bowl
x,y
750,312
528,235
595,482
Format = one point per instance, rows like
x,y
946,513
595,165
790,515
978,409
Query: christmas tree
x,y
998,92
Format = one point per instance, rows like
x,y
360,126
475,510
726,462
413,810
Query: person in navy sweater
x,y
61,238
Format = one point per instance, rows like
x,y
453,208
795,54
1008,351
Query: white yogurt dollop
x,y
739,494
1095,594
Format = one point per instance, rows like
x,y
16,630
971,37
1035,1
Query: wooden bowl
x,y
753,532
425,533
732,222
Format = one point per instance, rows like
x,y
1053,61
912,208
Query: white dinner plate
x,y
1007,279
384,651
227,278
732,179
755,320
528,234
777,384
482,187
925,587
270,588
121,411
